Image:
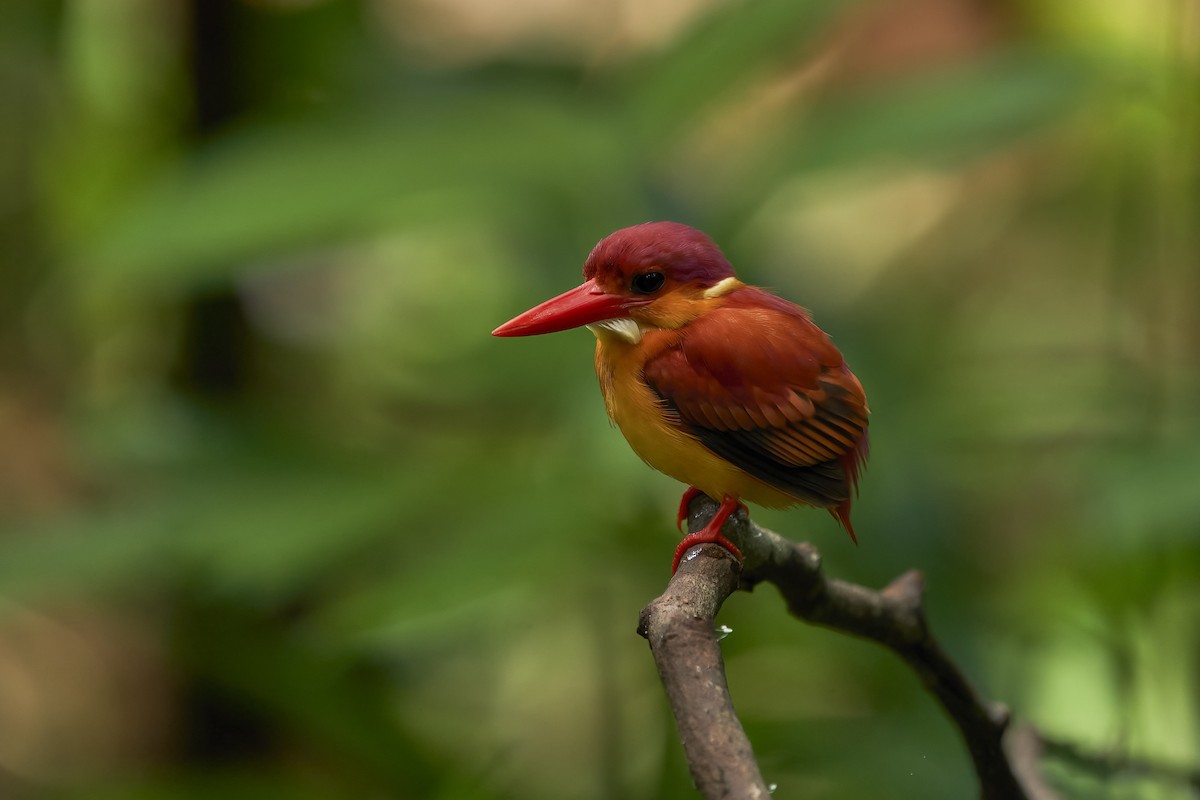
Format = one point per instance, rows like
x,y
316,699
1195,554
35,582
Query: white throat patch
x,y
625,328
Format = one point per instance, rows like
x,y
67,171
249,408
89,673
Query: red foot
x,y
691,494
711,531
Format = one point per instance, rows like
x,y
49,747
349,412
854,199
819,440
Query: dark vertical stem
x,y
214,354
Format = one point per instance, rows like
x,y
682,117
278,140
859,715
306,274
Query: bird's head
x,y
654,275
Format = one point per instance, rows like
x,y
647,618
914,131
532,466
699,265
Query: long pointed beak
x,y
582,305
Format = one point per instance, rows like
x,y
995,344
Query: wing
x,y
763,387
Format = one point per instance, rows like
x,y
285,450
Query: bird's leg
x,y
712,531
685,502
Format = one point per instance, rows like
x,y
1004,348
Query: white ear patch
x,y
722,287
625,328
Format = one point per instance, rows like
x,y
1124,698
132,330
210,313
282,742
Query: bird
x,y
723,386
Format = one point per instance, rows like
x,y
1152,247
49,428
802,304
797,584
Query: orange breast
x,y
655,436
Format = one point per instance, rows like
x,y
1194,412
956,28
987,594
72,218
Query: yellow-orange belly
x,y
660,441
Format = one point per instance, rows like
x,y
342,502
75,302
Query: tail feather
x,y
842,514
853,461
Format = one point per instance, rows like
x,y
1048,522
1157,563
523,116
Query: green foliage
x,y
325,537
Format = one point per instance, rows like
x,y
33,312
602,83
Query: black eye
x,y
648,282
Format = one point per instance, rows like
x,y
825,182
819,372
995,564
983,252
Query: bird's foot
x,y
691,494
711,532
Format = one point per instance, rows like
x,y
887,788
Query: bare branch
x,y
893,617
1109,765
1024,749
679,626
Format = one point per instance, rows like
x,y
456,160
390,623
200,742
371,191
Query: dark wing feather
x,y
763,387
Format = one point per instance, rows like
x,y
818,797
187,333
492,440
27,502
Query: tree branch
x,y
679,627
1110,765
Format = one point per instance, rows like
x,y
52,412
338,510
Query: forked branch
x,y
680,628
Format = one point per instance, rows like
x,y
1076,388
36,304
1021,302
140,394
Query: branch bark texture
x,y
679,625
680,628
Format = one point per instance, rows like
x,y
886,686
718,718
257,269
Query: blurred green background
x,y
279,519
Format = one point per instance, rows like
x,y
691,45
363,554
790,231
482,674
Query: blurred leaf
x,y
941,118
274,187
260,530
325,697
1148,497
721,53
948,115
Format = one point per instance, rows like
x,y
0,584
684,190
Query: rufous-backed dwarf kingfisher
x,y
723,386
